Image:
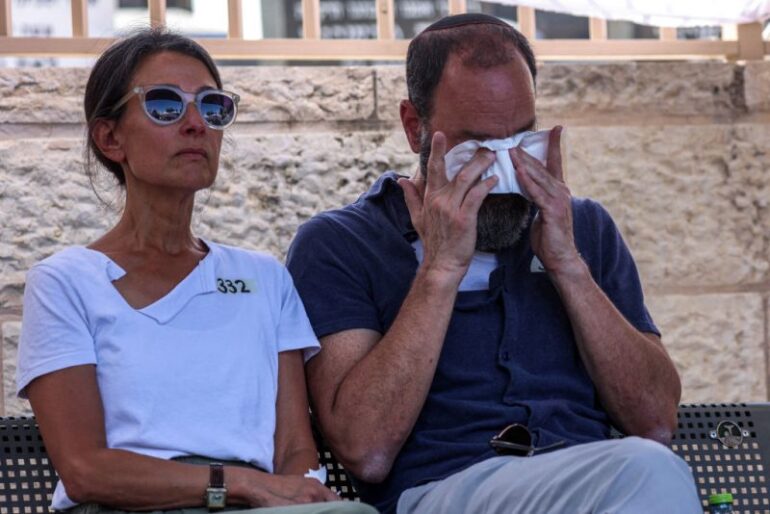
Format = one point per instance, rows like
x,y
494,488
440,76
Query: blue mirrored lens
x,y
163,104
216,109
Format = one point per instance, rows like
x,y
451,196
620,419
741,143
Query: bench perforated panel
x,y
717,467
27,478
740,467
337,477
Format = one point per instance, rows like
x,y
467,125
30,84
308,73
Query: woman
x,y
151,347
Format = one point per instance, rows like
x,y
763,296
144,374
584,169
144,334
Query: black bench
x,y
726,445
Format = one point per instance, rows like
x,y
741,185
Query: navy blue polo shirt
x,y
509,355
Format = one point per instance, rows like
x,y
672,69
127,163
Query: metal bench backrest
x,y
27,477
739,463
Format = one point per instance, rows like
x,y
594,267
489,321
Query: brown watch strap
x,y
216,475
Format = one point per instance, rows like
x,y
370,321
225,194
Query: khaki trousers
x,y
340,507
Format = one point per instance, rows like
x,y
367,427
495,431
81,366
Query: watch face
x,y
216,498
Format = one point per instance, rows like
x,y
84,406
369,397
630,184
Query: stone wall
x,y
675,151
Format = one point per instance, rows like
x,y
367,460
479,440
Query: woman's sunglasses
x,y
165,105
516,440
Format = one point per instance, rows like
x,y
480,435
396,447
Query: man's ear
x,y
411,123
106,140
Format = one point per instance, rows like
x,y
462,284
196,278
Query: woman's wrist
x,y
241,485
298,462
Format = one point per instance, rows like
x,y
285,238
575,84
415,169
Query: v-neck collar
x,y
201,280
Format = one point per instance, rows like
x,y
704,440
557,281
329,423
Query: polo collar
x,y
387,190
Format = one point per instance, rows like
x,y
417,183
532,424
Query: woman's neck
x,y
154,223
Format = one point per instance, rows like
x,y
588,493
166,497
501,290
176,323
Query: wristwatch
x,y
216,492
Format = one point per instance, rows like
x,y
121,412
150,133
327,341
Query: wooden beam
x,y
311,19
750,44
247,49
597,29
386,22
79,18
632,49
390,50
526,16
667,34
6,27
320,49
54,46
234,19
458,7
157,13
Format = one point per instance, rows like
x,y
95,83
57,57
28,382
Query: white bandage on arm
x,y
319,474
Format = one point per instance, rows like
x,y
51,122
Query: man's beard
x,y
502,217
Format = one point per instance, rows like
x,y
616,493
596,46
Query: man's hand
x,y
634,376
552,236
369,388
444,212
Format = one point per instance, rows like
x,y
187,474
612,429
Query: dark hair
x,y
112,74
480,44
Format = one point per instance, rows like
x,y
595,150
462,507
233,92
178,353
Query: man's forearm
x,y
370,390
380,398
634,376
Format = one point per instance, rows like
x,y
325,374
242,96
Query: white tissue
x,y
534,143
319,474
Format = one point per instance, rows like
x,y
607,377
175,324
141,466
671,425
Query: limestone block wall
x,y
676,152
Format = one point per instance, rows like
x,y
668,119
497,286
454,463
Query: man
x,y
447,313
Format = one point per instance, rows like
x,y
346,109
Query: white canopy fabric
x,y
663,13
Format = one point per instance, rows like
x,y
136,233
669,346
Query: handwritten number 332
x,y
232,286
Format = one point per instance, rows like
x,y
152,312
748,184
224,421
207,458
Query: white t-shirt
x,y
194,373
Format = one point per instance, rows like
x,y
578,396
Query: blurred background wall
x,y
677,152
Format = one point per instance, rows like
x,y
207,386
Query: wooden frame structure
x,y
748,44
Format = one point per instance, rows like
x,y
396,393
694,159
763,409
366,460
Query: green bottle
x,y
721,503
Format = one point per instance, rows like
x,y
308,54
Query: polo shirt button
x,y
505,356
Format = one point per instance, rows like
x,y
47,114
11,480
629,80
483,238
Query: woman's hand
x,y
259,489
